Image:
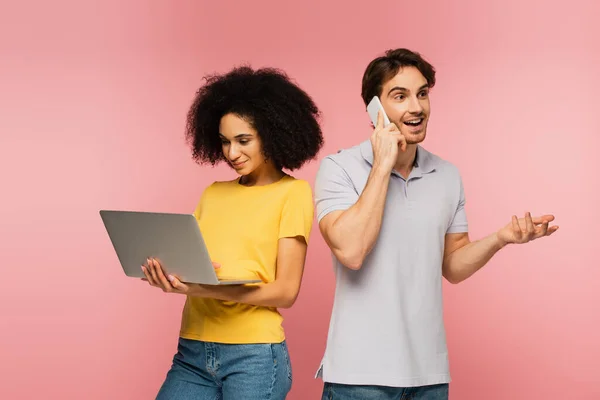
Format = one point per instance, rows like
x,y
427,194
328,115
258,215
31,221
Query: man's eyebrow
x,y
401,89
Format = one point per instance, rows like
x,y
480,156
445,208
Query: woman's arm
x,y
281,293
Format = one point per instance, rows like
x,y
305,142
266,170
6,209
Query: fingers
x,y
392,128
155,276
152,271
216,265
178,285
164,283
517,232
530,229
379,125
148,275
403,143
395,134
535,227
542,218
542,230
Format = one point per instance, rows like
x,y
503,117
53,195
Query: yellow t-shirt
x,y
241,226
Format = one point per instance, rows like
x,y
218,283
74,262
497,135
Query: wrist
x,y
380,171
499,243
198,290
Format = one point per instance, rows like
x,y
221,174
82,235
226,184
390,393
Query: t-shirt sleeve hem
x,y
459,228
330,209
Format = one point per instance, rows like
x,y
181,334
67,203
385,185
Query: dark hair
x,y
285,117
384,68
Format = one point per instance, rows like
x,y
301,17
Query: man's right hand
x,y
385,142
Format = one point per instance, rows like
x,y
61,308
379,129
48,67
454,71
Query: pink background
x,y
93,97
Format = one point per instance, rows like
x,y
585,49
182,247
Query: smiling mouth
x,y
414,122
237,164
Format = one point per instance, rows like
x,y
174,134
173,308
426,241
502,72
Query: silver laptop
x,y
174,239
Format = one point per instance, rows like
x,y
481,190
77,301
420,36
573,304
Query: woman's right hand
x,y
157,279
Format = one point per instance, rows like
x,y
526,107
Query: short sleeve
x,y
333,189
198,210
298,212
459,222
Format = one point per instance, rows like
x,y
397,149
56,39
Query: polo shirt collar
x,y
424,163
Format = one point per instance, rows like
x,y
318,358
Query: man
x,y
393,215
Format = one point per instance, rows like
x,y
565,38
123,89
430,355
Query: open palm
x,y
526,229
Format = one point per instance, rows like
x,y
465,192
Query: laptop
x,y
174,239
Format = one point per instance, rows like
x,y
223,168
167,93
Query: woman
x,y
232,344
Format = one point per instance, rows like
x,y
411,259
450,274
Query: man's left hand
x,y
526,229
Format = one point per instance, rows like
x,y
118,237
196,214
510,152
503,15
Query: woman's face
x,y
241,144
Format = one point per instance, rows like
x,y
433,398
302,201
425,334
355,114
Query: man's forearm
x,y
355,232
468,259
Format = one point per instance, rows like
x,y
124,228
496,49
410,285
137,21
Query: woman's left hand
x,y
169,284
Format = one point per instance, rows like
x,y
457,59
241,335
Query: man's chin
x,y
412,138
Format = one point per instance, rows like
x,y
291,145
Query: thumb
x,y
216,265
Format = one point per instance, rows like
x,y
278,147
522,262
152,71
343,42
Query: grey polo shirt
x,y
387,323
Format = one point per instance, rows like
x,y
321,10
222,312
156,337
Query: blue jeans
x,y
216,371
335,391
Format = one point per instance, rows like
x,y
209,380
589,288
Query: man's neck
x,y
406,160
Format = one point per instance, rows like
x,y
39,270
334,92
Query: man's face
x,y
405,99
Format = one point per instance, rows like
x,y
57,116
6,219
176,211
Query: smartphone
x,y
373,108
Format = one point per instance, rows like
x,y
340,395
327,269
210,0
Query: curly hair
x,y
284,116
